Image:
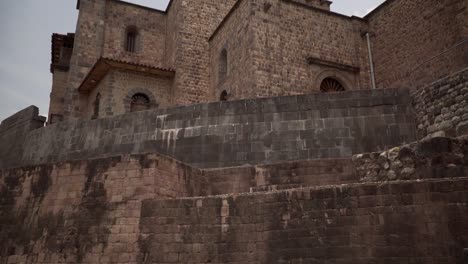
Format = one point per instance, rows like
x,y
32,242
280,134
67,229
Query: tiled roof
x,y
103,65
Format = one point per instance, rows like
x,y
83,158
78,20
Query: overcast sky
x,y
26,27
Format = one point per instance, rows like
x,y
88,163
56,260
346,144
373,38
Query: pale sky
x,y
26,27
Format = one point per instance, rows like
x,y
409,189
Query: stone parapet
x,y
13,132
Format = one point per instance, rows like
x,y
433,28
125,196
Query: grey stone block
x,y
462,128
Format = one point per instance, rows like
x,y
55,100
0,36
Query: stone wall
x,y
418,221
279,176
87,49
151,33
84,211
13,132
238,132
427,159
235,37
296,47
272,45
441,107
57,96
197,21
325,5
417,42
118,87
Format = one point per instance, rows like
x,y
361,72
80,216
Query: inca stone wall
x,y
139,209
417,42
13,132
279,176
442,107
84,211
238,132
432,158
421,221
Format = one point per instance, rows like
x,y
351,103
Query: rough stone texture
x,y
278,176
441,107
87,49
118,87
270,53
399,222
110,211
417,42
238,132
57,96
430,158
281,55
151,33
13,132
325,5
236,38
83,211
197,20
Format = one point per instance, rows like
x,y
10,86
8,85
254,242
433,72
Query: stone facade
x,y
271,48
62,48
417,42
119,86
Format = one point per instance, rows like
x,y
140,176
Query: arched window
x,y
223,96
131,39
97,103
223,65
140,102
331,85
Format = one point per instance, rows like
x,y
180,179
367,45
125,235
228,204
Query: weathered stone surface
x,y
429,158
418,42
110,211
279,176
236,132
462,128
367,223
84,211
441,107
13,132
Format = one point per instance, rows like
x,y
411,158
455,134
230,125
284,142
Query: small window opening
x,y
140,102
97,103
224,96
223,65
331,85
130,45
